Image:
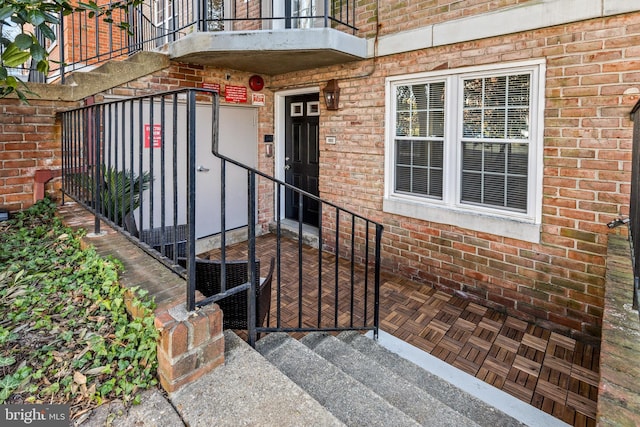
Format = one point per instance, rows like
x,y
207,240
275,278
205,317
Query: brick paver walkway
x,y
550,371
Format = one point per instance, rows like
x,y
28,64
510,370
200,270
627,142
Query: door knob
x,y
202,169
287,167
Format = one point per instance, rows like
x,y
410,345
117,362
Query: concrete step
x,y
436,387
247,390
116,72
404,395
484,404
291,229
131,63
348,399
82,78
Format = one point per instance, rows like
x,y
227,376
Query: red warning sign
x,y
235,94
157,135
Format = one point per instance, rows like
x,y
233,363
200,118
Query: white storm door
x,y
238,135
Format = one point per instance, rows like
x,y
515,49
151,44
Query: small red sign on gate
x,y
157,135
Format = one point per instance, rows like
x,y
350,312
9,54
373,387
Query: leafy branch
x,y
38,16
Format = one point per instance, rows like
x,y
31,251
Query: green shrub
x,y
65,335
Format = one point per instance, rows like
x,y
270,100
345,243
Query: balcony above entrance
x,y
269,52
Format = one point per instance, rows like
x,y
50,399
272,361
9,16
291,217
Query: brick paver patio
x,y
550,371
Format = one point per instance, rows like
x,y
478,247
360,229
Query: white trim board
x,y
500,400
524,17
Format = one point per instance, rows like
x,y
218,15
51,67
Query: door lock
x,y
287,167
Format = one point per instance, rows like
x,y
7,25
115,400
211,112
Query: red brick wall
x,y
592,83
246,10
29,140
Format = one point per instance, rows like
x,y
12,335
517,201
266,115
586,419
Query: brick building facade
x,y
555,276
541,259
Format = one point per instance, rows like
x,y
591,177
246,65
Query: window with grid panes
x,y
466,141
495,141
419,139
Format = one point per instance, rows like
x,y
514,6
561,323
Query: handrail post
x,y
61,47
97,209
376,310
191,202
201,14
326,13
251,306
223,224
132,45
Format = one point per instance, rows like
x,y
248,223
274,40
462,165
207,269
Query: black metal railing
x,y
129,162
336,289
86,40
633,221
239,15
133,164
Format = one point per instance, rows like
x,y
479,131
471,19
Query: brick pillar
x,y
40,178
191,344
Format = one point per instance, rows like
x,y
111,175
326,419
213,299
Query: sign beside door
x,y
235,93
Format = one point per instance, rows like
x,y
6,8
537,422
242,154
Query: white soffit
x,y
528,16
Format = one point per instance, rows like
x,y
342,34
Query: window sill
x,y
505,227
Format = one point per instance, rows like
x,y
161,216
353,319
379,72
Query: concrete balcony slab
x,y
268,52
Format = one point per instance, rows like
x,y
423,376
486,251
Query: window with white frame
x,y
466,141
419,131
495,141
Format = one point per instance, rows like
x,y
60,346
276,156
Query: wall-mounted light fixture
x,y
332,94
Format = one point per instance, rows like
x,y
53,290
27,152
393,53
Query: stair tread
x,y
247,390
401,393
116,72
466,404
349,400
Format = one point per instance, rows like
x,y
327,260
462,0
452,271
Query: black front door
x,y
302,155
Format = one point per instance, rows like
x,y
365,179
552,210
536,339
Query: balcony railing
x,y
132,162
85,40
